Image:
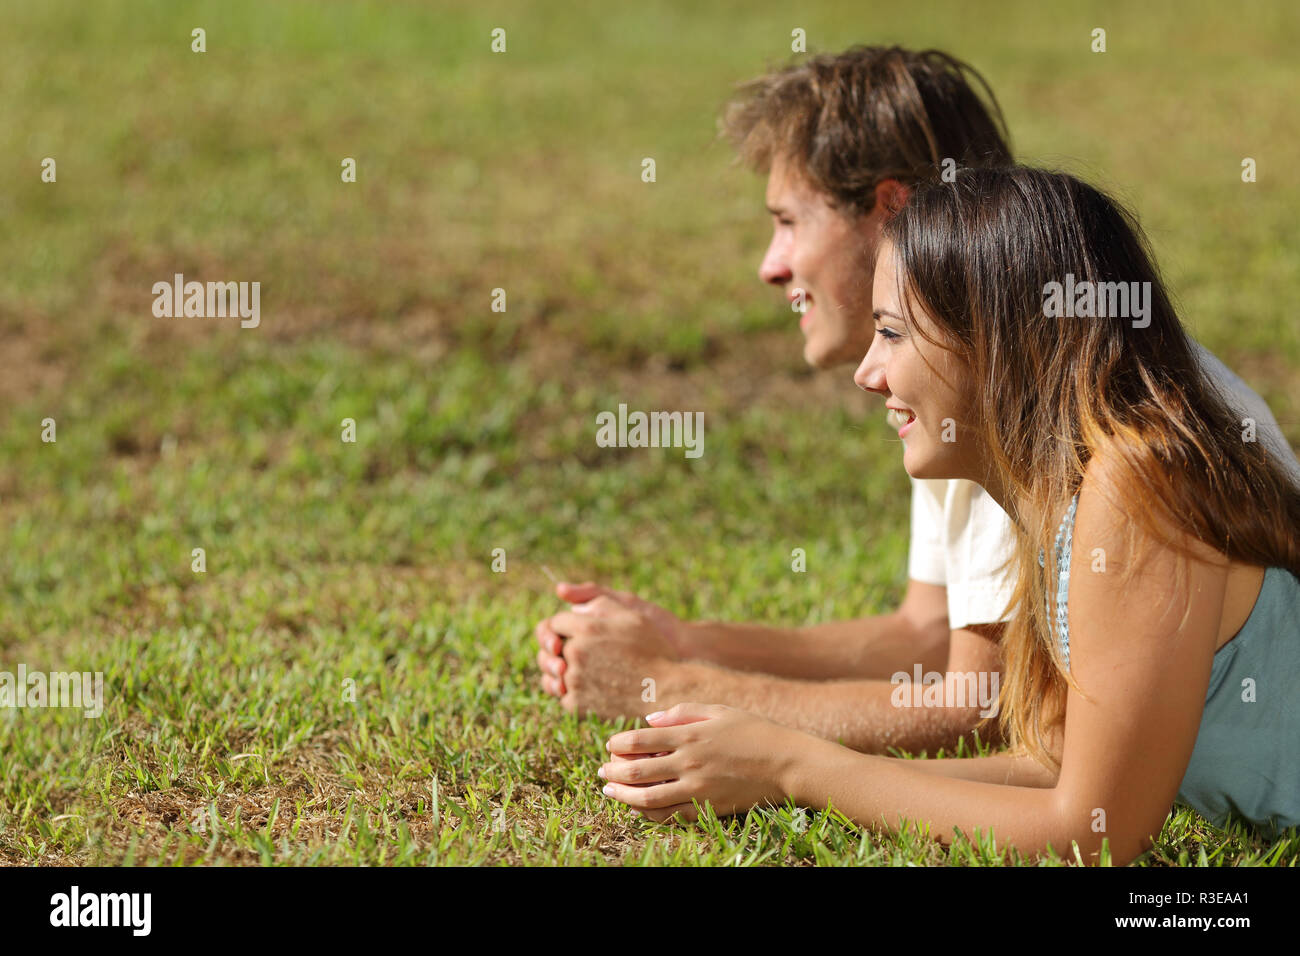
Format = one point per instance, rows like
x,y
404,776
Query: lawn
x,y
339,570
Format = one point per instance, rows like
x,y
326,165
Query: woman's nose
x,y
870,376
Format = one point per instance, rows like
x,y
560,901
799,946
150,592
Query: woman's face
x,y
928,387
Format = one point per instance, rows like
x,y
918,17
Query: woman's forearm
x,y
882,792
1008,769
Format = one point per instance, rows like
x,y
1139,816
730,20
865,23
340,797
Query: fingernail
x,y
655,716
601,773
608,790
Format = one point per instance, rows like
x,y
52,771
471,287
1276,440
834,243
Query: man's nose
x,y
773,269
870,376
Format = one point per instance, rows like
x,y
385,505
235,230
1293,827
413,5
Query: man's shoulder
x,y
962,506
1246,402
945,490
1230,385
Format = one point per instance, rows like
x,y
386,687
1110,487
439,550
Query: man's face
x,y
829,255
927,388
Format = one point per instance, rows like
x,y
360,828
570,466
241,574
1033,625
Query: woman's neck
x,y
1021,510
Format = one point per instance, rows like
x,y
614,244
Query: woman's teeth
x,y
898,419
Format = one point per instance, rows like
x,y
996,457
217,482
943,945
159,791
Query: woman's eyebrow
x,y
877,313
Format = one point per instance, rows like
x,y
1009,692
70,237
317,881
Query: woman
x,y
1155,649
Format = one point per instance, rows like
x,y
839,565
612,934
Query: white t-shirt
x,y
961,536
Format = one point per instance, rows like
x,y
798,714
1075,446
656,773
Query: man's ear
x,y
891,196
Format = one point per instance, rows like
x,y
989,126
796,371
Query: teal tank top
x,y
1247,755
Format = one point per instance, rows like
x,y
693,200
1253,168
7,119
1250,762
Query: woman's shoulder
x,y
1129,581
1117,531
1115,510
1132,560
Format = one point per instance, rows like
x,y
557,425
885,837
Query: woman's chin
x,y
911,460
920,465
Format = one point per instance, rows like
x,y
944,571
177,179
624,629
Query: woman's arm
x,y
1141,652
1011,769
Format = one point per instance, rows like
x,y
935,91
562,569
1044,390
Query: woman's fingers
x,y
618,758
641,771
661,753
685,714
657,797
648,740
671,729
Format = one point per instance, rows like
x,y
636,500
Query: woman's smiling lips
x,y
905,415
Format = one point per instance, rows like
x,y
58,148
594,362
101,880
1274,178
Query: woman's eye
x,y
887,334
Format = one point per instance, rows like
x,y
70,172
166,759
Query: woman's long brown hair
x,y
977,254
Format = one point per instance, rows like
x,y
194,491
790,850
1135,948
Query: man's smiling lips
x,y
793,297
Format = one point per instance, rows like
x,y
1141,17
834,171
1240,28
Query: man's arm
x,y
610,667
866,715
875,647
879,646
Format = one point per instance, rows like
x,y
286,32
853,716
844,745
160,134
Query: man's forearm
x,y
871,647
860,714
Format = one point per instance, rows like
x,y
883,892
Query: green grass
x,y
226,736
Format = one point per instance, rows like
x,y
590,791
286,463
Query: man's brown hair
x,y
847,121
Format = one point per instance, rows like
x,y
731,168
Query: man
x,y
841,137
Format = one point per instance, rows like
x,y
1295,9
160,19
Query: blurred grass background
x,y
328,561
